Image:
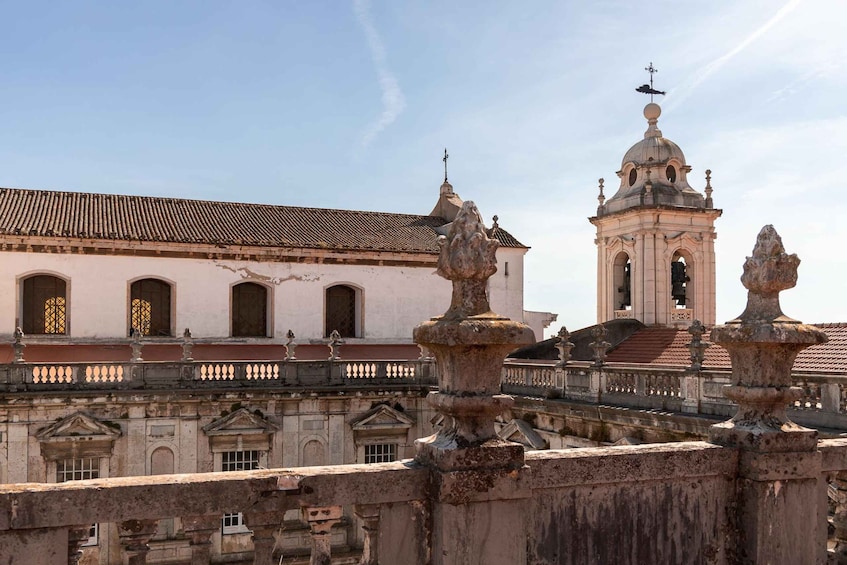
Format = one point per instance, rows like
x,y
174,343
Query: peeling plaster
x,y
246,273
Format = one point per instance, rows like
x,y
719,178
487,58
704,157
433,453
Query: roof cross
x,y
648,89
446,156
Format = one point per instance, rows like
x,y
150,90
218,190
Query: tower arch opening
x,y
622,281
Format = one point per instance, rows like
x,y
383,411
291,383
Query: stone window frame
x,y
380,452
358,309
267,313
375,427
171,304
24,307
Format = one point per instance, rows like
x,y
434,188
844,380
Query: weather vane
x,y
648,88
446,156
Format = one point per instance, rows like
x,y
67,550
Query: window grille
x,y
233,523
249,310
150,307
380,453
80,470
44,305
341,310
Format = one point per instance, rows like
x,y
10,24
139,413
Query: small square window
x,y
380,453
79,470
237,461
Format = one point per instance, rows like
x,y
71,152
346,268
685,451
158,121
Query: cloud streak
x,y
393,101
713,67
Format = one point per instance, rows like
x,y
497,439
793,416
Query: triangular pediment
x,y
78,425
521,432
240,422
382,417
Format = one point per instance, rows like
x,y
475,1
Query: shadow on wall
x,y
618,331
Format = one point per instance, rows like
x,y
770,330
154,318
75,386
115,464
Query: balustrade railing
x,y
823,402
60,376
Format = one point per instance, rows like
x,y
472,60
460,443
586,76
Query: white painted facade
x,y
392,300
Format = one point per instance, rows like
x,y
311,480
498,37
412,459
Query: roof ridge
x,y
74,193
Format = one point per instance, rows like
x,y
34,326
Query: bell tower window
x,y
623,282
679,281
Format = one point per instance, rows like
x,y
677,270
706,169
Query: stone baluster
x,y
780,465
77,535
263,525
564,346
470,466
290,346
136,345
321,519
199,530
134,537
18,345
187,346
600,346
369,515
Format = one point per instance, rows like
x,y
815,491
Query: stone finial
x,y
187,346
335,343
290,346
18,345
467,258
600,346
564,345
697,346
762,344
494,220
425,354
136,345
708,190
767,272
601,198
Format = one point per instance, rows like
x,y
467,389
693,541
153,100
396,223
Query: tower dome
x,y
653,172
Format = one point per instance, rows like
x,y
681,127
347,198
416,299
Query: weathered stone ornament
x,y
290,346
187,346
600,346
469,343
18,345
335,343
763,344
564,346
697,347
136,345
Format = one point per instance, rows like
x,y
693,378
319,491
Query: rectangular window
x,y
381,453
237,461
80,470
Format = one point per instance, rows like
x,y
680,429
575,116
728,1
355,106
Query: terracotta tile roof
x,y
144,218
667,346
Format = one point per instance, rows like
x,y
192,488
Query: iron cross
x,y
446,156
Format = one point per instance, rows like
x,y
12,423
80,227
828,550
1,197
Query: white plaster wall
x,y
506,291
394,299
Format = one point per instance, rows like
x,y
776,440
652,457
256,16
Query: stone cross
x,y
187,346
697,346
18,345
290,346
564,345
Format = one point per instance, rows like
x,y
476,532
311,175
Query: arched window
x,y
150,307
249,310
44,305
679,281
341,311
623,282
633,176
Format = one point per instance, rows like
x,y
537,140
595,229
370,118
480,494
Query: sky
x,y
336,104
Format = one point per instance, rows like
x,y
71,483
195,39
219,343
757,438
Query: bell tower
x,y
655,236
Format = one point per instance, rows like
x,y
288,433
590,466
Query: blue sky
x,y
350,104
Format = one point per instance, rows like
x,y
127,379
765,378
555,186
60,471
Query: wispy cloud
x,y
676,97
393,101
